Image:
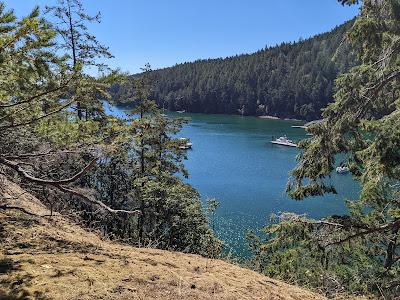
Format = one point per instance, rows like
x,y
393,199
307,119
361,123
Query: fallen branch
x,y
5,207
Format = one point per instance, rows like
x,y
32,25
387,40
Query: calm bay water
x,y
233,161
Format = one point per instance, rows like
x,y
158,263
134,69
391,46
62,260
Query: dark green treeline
x,y
292,80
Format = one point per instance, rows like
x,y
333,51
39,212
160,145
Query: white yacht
x,y
186,144
284,141
342,170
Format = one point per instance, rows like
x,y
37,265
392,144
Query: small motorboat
x,y
185,144
181,111
284,141
342,170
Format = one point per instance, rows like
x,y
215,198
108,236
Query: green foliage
x,y
359,252
211,207
82,52
52,123
297,250
141,173
289,80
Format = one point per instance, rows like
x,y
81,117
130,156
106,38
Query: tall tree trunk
x,y
142,170
391,249
74,58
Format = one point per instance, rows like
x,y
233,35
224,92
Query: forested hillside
x,y
292,80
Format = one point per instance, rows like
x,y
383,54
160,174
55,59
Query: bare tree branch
x,y
92,200
38,118
15,166
45,93
60,185
366,232
310,222
35,155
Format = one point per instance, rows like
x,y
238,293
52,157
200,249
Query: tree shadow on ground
x,y
16,287
8,265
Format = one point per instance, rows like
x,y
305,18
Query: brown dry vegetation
x,y
52,258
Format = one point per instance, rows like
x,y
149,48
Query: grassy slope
x,y
51,258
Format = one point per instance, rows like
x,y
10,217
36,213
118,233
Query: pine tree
x,y
84,51
127,168
160,159
38,132
292,75
359,252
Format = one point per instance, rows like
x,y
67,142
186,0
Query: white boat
x,y
181,111
187,145
284,141
342,170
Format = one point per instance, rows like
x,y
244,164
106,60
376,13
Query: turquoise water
x,y
233,160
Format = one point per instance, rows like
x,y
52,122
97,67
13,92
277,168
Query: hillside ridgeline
x,y
292,80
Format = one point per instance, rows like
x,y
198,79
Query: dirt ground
x,y
51,258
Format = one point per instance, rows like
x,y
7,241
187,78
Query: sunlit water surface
x,y
233,161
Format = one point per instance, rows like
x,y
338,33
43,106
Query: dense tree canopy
x,y
359,252
291,80
58,143
122,176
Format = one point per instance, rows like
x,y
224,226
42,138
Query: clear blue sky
x,y
166,32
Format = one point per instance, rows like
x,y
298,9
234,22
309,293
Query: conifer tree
x,y
159,160
359,252
38,132
84,51
291,80
81,165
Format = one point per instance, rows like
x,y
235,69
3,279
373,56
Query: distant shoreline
x,y
126,106
277,118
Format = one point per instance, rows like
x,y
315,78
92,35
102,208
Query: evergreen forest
x,y
292,80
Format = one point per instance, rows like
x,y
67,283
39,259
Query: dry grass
x,y
51,258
